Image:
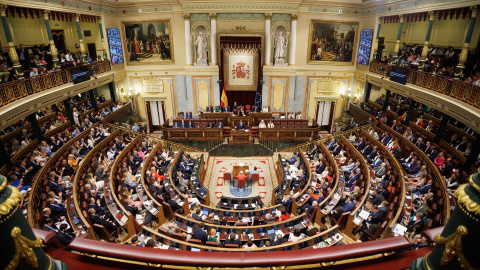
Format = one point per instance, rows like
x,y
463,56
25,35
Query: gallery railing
x,y
15,90
459,90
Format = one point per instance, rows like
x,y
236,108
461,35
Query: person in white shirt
x,y
34,72
295,236
69,57
265,109
298,115
270,124
262,124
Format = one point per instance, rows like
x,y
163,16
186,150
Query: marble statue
x,y
201,43
280,46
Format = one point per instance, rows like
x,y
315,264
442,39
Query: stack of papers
x,y
364,214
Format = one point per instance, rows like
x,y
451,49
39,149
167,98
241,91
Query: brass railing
x,y
459,90
15,90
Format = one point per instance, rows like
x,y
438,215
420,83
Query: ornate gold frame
x,y
355,43
170,37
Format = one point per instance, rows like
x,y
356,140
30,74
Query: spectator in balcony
x,y
462,146
262,124
4,71
270,124
34,72
69,57
23,57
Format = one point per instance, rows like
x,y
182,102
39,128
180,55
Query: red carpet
x,y
79,262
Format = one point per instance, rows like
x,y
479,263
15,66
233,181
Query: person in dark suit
x,y
197,215
182,124
210,125
354,176
226,109
188,115
220,124
99,220
371,228
280,240
377,197
373,153
189,124
65,237
366,150
349,204
48,225
174,205
200,234
23,57
234,106
462,146
377,213
420,144
417,220
209,109
57,209
241,125
336,149
232,240
331,144
385,139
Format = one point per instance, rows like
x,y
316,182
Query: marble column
x,y
213,38
188,40
83,55
268,16
399,36
11,45
53,49
103,38
423,58
375,54
463,56
293,41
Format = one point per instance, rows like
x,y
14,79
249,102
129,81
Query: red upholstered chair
x,y
212,244
227,176
102,232
195,241
231,246
255,177
241,183
248,108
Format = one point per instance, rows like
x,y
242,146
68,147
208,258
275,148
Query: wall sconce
x,y
349,94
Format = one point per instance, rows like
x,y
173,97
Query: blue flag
x,y
258,98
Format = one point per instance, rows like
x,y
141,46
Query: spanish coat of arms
x,y
241,71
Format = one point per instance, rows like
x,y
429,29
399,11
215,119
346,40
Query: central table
x,y
240,137
237,169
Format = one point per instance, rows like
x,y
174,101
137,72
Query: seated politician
x,y
241,125
220,124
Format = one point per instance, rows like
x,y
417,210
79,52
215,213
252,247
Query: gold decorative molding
x,y
472,208
453,247
268,16
23,249
99,19
240,28
77,17
186,16
11,202
294,16
401,18
474,11
3,10
46,14
213,16
431,15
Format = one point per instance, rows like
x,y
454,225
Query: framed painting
x,y
148,42
332,42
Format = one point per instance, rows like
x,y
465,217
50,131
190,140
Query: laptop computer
x,y
205,211
271,234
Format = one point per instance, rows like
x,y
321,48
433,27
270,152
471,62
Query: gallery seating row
x,y
286,123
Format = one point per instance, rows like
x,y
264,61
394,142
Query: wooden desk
x,y
240,137
237,169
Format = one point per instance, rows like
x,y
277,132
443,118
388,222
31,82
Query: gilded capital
x,y
401,18
99,19
186,16
431,15
46,14
77,17
3,10
213,16
268,16
294,16
474,11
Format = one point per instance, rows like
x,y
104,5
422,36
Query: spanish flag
x,y
223,99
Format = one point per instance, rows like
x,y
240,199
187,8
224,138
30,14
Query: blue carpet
x,y
241,192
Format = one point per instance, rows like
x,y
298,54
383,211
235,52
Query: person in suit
x,y
279,240
377,213
366,150
420,144
423,189
353,177
377,197
57,209
65,237
416,220
174,205
241,125
209,109
188,115
96,219
433,153
462,146
182,124
336,149
414,168
197,215
373,153
226,109
253,172
210,125
371,228
200,234
312,152
48,225
234,106
385,138
331,144
349,204
189,124
233,240
380,171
